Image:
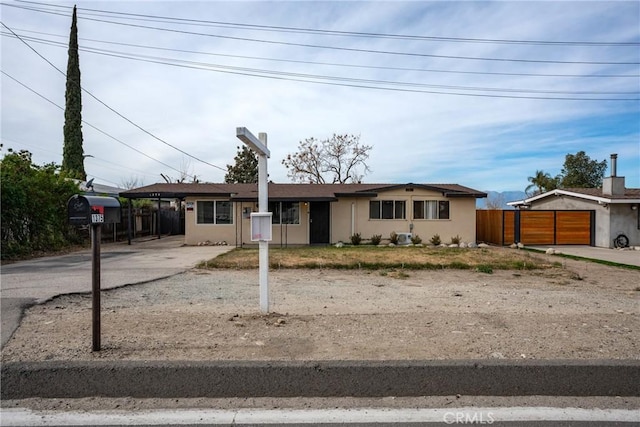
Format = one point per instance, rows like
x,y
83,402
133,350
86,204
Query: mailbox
x,y
87,210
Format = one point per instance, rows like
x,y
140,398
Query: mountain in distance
x,y
502,198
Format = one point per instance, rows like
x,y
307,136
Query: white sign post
x,y
261,230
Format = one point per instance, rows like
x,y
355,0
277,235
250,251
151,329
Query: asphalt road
x,y
25,283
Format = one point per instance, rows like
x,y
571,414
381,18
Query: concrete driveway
x,y
620,256
23,284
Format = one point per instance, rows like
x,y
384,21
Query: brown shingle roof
x,y
303,192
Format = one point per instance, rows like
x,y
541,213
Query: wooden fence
x,y
538,227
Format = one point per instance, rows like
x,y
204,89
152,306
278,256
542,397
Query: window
x,y
285,212
387,209
215,212
431,209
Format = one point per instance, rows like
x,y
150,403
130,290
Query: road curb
x,y
187,379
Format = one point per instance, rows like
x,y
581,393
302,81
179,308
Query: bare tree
x,y
337,160
131,183
495,202
185,165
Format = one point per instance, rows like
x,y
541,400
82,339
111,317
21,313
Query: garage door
x,y
555,227
573,228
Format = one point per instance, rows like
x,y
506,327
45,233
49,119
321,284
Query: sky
x,y
475,93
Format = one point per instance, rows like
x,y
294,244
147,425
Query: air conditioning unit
x,y
404,238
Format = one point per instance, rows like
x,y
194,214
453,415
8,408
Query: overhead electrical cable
x,y
350,49
113,110
372,51
345,33
317,78
92,126
332,64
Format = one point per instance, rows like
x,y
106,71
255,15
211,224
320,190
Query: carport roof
x,y
290,192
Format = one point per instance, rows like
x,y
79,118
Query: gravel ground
x,y
581,310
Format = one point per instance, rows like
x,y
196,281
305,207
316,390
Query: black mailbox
x,y
87,210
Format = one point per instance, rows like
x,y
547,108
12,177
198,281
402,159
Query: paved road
x,y
23,284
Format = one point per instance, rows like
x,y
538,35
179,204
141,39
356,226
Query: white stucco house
x,y
616,208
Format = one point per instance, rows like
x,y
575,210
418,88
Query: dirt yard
x,y
578,311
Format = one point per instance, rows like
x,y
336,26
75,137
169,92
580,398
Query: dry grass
x,y
376,258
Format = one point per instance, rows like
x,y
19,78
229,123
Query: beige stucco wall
x,y
239,232
348,216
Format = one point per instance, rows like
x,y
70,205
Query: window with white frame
x,y
214,212
285,212
430,209
387,209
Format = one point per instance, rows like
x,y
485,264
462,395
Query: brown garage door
x,y
536,227
573,227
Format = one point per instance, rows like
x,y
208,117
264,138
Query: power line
x,y
341,81
347,33
371,51
92,126
113,110
333,64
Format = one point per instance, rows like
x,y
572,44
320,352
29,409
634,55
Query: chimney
x,y
613,185
614,165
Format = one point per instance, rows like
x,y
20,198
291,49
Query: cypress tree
x,y
73,154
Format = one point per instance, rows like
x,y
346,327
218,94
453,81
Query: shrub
x,y
393,238
484,268
416,240
376,239
356,239
435,240
456,240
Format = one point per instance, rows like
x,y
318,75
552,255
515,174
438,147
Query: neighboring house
x,y
614,209
322,213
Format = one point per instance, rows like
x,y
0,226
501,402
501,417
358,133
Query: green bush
x,y
34,206
356,239
416,240
435,240
483,268
456,240
376,239
393,238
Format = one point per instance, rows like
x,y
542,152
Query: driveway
x,y
620,256
23,284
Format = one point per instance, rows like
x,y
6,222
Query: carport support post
x,y
96,235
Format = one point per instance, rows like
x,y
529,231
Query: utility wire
x,y
328,79
92,126
333,64
301,30
113,110
347,49
373,51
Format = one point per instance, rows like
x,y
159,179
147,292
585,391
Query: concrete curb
x,y
185,379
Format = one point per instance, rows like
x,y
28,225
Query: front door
x,y
319,223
